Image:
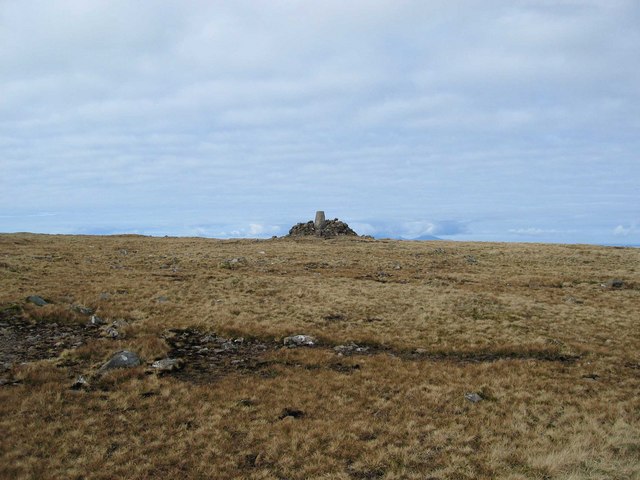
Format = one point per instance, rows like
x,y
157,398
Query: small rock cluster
x,y
330,228
349,349
300,341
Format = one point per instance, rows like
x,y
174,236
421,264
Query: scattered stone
x,y
291,412
7,381
471,259
80,383
105,296
473,397
123,359
81,309
300,341
37,300
114,330
162,299
96,321
168,364
344,368
350,349
421,351
232,263
614,284
111,332
573,300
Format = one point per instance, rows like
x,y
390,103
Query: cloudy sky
x,y
503,120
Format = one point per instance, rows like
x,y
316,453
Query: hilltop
x,y
419,359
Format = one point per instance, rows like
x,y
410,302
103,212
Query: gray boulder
x,y
123,359
37,300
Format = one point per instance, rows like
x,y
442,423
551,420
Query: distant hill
x,y
398,237
426,237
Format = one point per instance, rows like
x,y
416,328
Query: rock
x,y
111,332
162,299
82,309
291,412
233,262
300,341
167,364
96,321
614,284
349,348
37,300
114,330
473,397
80,383
105,296
123,359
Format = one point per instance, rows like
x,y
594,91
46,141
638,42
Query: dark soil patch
x,y
23,340
208,356
484,357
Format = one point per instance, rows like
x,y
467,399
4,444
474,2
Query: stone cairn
x,y
321,228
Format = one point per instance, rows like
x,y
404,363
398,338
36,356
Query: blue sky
x,y
494,120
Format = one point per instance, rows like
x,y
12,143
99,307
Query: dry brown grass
x,y
556,359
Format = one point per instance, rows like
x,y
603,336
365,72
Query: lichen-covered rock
x,y
123,359
473,397
350,348
167,364
300,341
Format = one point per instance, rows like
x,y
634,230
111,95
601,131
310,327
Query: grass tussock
x,y
539,332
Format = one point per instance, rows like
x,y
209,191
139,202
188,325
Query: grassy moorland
x,y
536,331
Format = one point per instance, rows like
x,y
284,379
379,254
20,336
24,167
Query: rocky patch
x,y
22,340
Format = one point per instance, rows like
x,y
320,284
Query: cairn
x,y
321,228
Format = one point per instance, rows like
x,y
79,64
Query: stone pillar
x,y
319,222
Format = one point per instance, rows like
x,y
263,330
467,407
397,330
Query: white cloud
x,y
626,230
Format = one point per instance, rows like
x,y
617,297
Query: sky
x,y
488,121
